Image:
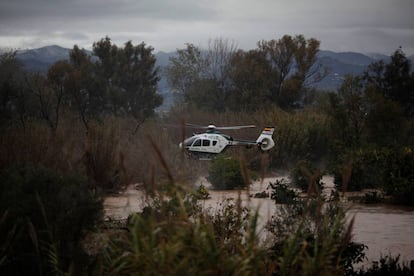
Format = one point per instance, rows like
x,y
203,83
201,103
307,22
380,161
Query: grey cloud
x,y
166,9
168,24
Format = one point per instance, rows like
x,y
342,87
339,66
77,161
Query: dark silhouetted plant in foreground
x,y
313,239
46,217
190,242
387,265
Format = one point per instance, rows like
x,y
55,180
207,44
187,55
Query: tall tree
x,y
117,80
395,80
293,63
203,78
57,77
251,76
184,69
137,77
82,88
15,99
218,60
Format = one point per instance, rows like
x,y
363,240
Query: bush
x,y
281,193
390,169
312,237
305,177
47,216
367,167
187,243
225,173
399,176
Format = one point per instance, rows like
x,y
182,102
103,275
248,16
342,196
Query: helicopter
x,y
206,145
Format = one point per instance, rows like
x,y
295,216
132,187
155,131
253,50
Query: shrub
x,y
188,243
399,176
225,173
305,176
48,215
390,169
313,238
281,193
367,167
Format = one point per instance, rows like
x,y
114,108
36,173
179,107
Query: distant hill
x,y
42,58
338,64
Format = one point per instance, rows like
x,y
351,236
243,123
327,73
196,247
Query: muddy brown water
x,y
385,229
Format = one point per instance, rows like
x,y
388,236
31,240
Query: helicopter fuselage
x,y
207,145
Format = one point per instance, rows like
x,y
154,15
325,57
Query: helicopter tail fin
x,y
265,141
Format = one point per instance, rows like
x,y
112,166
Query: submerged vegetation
x,y
88,128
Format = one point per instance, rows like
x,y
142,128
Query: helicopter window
x,y
189,141
214,142
197,143
206,143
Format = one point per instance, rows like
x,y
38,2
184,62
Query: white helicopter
x,y
207,145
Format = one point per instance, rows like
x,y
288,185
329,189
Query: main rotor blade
x,y
236,127
219,127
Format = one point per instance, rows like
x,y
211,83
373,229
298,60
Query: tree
x,y
184,69
251,80
117,81
57,77
218,60
137,77
82,86
385,122
15,101
203,78
221,79
394,80
352,94
293,63
128,78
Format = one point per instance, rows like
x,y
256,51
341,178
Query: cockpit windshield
x,y
189,141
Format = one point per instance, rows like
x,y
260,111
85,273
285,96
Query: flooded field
x,y
385,229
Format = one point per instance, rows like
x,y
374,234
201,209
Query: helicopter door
x,y
201,145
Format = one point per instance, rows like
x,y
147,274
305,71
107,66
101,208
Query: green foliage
x,y
367,167
46,215
385,123
346,112
281,193
390,169
288,85
298,135
312,239
394,80
224,78
399,176
193,243
225,173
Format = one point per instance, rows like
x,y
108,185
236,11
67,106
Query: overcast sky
x,y
341,25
